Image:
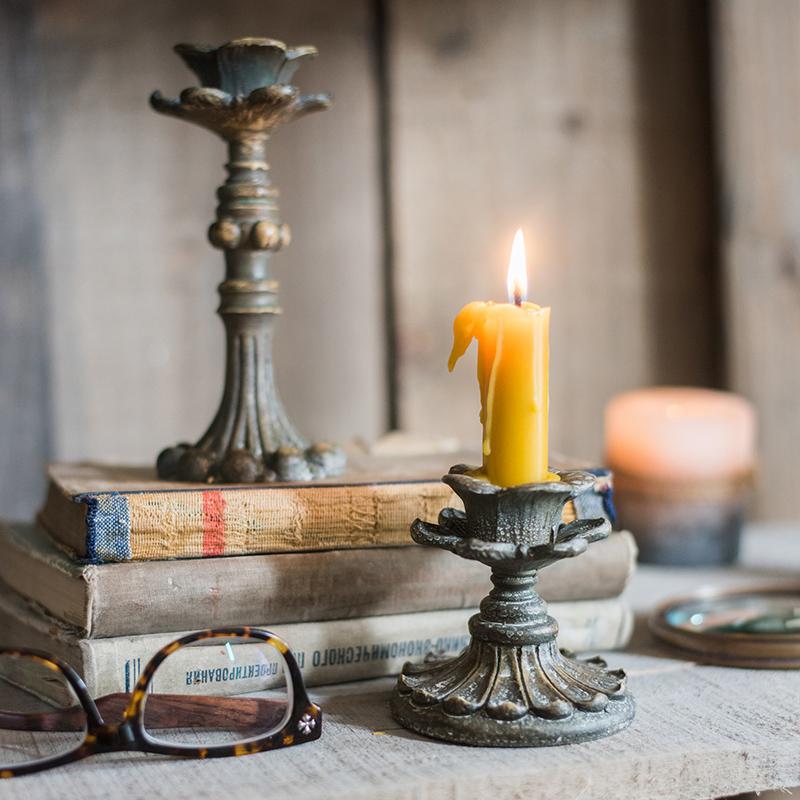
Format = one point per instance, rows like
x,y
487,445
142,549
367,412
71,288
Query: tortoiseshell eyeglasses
x,y
219,692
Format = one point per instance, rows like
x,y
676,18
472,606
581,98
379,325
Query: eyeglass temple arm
x,y
163,711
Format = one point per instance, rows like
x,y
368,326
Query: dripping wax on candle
x,y
513,369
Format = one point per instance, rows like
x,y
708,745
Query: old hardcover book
x,y
112,513
327,652
138,598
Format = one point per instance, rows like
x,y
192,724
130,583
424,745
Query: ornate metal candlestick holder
x,y
512,686
244,95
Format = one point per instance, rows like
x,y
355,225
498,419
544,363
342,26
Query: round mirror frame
x,y
730,649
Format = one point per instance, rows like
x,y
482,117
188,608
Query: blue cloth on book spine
x,y
108,527
600,502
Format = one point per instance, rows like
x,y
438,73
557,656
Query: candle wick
x,y
517,297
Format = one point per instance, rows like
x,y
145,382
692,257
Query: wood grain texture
x,y
24,401
758,70
586,124
136,347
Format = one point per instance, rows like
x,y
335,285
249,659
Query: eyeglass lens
x,y
40,715
218,692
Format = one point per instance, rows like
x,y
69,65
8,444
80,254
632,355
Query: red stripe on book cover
x,y
213,524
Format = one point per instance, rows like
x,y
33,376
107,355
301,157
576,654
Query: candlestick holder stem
x,y
512,686
244,96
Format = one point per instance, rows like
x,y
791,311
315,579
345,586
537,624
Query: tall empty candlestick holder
x,y
512,686
245,94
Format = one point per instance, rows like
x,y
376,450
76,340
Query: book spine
x,y
120,514
279,588
146,526
338,651
295,587
33,567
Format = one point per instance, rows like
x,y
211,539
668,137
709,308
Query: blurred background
x,y
650,150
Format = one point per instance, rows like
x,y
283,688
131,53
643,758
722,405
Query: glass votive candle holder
x,y
683,462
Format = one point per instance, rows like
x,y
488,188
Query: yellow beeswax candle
x,y
513,367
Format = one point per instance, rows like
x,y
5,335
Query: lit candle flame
x,y
517,280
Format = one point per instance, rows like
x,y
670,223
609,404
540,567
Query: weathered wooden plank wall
x,y
587,124
24,399
758,84
136,349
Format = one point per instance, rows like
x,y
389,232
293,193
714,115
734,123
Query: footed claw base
x,y
202,465
481,730
499,695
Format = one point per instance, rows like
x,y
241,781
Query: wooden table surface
x,y
700,732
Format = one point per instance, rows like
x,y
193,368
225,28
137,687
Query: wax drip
x,y
487,428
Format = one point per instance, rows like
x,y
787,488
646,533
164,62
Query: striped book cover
x,y
111,513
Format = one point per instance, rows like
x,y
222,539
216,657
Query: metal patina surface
x,y
512,686
244,95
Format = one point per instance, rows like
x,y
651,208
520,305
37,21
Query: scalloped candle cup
x,y
243,65
529,514
683,461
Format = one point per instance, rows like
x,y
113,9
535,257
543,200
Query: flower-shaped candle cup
x,y
243,65
244,87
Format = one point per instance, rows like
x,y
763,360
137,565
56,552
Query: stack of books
x,y
120,564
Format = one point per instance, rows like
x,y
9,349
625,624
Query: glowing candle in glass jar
x,y
513,370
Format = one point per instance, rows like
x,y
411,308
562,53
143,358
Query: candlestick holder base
x,y
512,686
